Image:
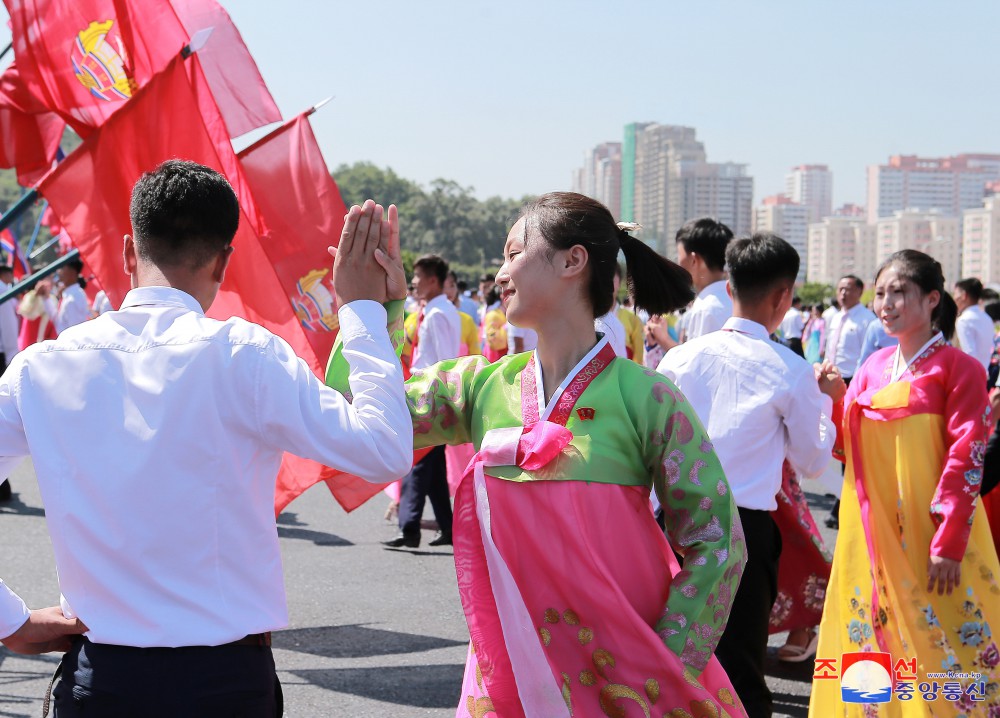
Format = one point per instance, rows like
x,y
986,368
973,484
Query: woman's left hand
x,y
945,572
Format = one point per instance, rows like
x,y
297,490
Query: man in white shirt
x,y
973,329
520,340
438,337
73,307
845,331
759,403
156,435
10,327
701,249
791,327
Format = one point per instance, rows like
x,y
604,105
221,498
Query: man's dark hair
x,y
796,301
707,238
972,287
433,265
183,215
759,264
857,281
486,277
6,268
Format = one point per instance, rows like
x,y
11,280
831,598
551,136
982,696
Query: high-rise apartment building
x,y
812,186
601,176
787,219
840,245
981,241
632,132
933,233
946,184
720,190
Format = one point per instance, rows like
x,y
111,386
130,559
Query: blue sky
x,y
507,97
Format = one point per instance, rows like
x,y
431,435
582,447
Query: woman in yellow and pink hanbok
x,y
915,573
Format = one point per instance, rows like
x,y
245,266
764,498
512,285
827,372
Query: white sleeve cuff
x,y
361,318
13,611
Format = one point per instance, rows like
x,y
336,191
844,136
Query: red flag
x,y
13,251
84,59
174,116
29,135
304,214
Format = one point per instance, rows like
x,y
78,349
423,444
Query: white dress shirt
x,y
611,327
974,331
439,334
710,310
528,337
792,325
845,336
73,308
9,325
759,402
101,304
13,611
156,435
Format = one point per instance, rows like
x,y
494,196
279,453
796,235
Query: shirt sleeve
x,y
13,611
702,523
808,427
439,398
369,437
966,423
13,442
965,334
439,335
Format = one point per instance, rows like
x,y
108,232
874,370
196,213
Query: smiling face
x,y
527,279
903,308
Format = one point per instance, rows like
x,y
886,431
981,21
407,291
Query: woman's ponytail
x,y
654,282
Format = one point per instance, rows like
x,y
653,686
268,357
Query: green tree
x,y
815,293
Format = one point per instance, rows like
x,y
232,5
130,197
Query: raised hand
x,y
356,273
390,258
46,630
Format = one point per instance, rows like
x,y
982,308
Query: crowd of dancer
x,y
628,526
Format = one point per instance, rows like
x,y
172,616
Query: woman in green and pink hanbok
x,y
575,602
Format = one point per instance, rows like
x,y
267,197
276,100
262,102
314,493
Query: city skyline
x,y
506,99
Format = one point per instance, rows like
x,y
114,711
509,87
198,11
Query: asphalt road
x,y
373,632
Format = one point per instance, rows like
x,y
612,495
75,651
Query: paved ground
x,y
373,632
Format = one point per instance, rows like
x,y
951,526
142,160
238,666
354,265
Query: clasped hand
x,y
46,629
367,262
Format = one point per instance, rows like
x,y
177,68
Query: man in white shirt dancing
x,y
701,249
973,328
759,403
438,337
159,485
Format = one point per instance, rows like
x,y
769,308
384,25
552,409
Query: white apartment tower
x,y
947,184
812,186
840,245
981,241
721,190
790,221
601,176
933,233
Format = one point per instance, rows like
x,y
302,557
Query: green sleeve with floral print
x,y
702,523
439,397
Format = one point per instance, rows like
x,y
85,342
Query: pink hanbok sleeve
x,y
701,522
966,415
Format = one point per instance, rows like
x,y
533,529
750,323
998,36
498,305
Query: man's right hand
x,y
46,629
830,381
356,273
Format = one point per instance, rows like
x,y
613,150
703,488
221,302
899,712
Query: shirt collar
x,y
746,326
438,301
162,297
715,289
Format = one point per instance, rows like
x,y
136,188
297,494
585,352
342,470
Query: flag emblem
x,y
586,413
98,64
314,305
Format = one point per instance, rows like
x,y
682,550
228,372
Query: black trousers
x,y
198,682
427,480
795,344
742,650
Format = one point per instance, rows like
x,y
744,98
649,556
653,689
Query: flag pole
x,y
7,49
19,208
280,128
28,283
38,226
